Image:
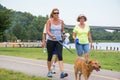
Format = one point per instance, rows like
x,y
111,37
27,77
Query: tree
x,y
4,22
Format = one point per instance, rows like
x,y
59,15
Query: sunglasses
x,y
56,13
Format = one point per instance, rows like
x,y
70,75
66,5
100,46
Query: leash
x,y
65,46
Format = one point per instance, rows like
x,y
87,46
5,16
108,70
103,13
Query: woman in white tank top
x,y
54,28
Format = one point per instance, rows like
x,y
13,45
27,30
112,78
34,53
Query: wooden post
x,y
114,49
117,49
96,47
107,48
110,48
93,47
100,48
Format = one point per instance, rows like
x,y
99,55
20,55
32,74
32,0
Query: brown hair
x,y
78,19
55,9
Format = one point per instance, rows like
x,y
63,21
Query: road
x,y
39,68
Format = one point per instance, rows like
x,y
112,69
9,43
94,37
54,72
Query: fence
x,y
21,44
102,46
39,44
107,48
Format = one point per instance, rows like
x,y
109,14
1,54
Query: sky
x,y
98,12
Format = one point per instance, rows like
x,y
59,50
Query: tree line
x,y
21,26
16,25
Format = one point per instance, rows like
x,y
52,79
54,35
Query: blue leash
x,y
65,47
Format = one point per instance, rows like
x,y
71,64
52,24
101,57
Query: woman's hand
x,y
43,44
91,45
53,37
74,36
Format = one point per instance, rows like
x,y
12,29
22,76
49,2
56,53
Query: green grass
x,y
108,60
12,75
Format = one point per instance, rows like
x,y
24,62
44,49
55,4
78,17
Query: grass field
x,y
12,75
108,60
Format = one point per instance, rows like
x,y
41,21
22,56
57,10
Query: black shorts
x,y
50,48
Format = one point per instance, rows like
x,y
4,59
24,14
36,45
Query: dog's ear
x,y
89,62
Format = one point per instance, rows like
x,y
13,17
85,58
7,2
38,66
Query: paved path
x,y
39,68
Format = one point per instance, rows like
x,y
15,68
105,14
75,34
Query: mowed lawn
x,y
13,75
109,60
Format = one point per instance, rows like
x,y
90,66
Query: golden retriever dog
x,y
85,68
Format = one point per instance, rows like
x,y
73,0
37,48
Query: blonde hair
x,y
55,9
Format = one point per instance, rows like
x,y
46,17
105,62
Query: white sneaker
x,y
44,50
53,69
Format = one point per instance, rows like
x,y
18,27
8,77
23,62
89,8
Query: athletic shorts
x,y
51,45
82,48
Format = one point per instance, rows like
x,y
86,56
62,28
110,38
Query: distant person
x,y
44,36
82,37
67,41
55,28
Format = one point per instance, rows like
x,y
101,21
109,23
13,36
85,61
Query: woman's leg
x,y
86,51
79,48
61,66
49,65
54,60
60,58
59,48
50,48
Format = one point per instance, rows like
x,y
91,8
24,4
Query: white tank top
x,y
55,30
